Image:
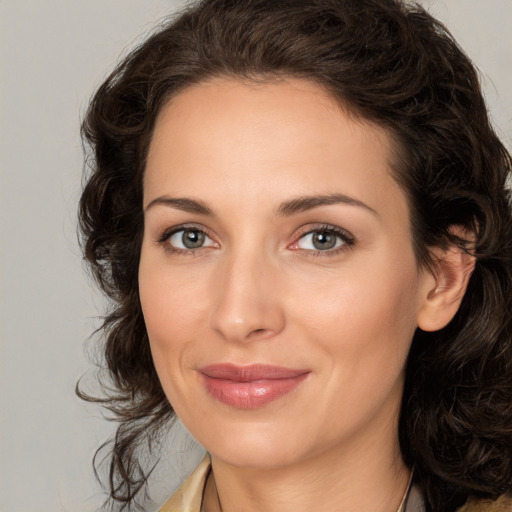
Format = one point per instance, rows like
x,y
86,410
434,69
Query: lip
x,y
250,387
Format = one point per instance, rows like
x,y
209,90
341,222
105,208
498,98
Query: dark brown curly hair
x,y
392,63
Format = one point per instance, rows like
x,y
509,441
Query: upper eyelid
x,y
308,229
168,232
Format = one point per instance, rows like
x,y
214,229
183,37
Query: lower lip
x,y
252,394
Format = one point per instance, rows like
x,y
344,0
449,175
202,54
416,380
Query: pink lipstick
x,y
250,387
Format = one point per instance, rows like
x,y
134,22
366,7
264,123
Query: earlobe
x,y
444,293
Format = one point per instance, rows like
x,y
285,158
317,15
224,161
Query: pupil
x,y
324,240
193,239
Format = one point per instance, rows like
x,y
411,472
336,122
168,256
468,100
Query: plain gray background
x,y
53,54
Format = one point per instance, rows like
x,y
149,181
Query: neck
x,y
369,476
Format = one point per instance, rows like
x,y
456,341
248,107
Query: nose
x,y
247,304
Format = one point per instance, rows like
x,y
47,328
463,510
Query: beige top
x,y
189,496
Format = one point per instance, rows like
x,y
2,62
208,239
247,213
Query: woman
x,y
299,209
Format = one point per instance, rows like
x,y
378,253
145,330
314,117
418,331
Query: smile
x,y
250,387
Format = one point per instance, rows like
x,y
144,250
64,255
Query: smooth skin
x,y
276,234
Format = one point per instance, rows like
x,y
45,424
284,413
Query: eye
x,y
323,240
188,239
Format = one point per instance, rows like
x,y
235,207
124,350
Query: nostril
x,y
258,333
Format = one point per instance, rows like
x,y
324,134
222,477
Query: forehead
x,y
269,139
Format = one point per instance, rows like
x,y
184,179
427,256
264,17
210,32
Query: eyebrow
x,y
302,204
181,203
286,209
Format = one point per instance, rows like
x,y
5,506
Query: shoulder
x,y
503,504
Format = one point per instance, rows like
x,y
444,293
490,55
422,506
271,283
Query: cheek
x,y
172,310
363,321
361,297
168,325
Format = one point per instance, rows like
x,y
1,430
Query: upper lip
x,y
253,372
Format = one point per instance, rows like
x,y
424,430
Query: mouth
x,y
250,387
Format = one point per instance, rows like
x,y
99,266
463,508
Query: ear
x,y
445,286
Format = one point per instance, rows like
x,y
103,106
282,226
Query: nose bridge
x,y
246,305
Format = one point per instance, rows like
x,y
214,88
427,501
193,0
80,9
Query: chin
x,y
251,444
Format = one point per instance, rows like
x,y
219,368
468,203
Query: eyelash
x,y
164,238
346,238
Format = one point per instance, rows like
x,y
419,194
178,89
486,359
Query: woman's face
x,y
277,276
